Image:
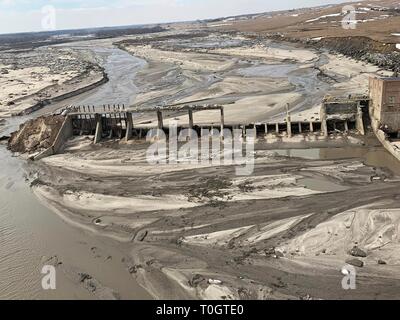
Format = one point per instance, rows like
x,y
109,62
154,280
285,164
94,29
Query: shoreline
x,y
65,96
29,84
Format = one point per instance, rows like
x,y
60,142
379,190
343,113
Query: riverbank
x,y
35,78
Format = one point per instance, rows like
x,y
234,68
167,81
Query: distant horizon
x,y
24,16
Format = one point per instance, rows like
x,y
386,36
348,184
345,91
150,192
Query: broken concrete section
x,y
36,135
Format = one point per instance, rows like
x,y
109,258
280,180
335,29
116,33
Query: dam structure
x,y
338,115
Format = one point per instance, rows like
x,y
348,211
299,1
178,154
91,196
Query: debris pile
x,y
36,135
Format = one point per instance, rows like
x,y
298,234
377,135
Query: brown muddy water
x,y
30,234
370,156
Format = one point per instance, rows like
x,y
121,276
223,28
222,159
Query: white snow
x,y
325,16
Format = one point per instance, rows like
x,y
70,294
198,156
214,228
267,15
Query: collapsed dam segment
x,y
116,121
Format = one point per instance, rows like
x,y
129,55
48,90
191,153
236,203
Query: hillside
x,y
378,20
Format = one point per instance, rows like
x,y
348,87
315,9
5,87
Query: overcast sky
x,y
37,15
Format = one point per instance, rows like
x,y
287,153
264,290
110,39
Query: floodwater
x,y
304,78
370,156
30,233
121,68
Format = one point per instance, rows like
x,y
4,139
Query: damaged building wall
x,y
385,106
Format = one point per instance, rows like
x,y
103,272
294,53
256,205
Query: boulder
x,y
357,252
355,262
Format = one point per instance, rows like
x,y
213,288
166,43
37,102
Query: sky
x,y
42,15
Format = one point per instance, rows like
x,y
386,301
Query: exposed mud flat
x,y
253,78
195,231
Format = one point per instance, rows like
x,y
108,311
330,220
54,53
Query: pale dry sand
x,y
23,84
33,78
270,53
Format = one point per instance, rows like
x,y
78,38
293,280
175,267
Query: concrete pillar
x,y
266,128
99,128
222,122
359,121
129,126
288,122
311,126
346,127
324,125
190,112
277,128
300,128
289,126
160,120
